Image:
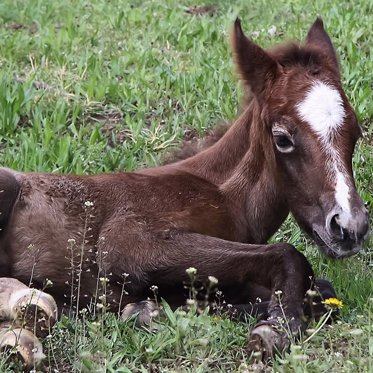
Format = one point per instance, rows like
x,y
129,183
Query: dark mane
x,y
307,56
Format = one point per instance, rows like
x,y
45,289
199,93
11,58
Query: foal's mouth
x,y
336,249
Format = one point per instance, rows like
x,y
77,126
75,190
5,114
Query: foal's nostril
x,y
356,231
364,227
337,230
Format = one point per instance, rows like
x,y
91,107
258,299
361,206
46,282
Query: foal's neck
x,y
218,162
242,164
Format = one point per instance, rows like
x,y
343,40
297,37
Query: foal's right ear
x,y
257,68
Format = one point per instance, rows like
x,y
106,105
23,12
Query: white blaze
x,y
322,109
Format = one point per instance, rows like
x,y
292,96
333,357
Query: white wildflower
x,y
311,293
191,271
272,30
213,280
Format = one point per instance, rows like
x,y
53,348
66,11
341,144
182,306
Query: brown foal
x,y
290,150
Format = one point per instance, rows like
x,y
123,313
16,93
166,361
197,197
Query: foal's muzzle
x,y
345,233
355,230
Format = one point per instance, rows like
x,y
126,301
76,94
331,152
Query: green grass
x,y
123,81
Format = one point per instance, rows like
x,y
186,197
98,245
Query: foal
x,y
289,150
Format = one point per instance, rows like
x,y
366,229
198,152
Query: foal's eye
x,y
283,141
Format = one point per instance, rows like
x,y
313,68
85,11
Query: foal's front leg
x,y
313,306
280,268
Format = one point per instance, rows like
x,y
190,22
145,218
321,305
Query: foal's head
x,y
306,116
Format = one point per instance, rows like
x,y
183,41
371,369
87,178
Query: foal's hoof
x,y
22,345
325,288
35,310
264,341
144,312
29,308
314,306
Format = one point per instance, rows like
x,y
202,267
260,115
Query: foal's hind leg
x,y
29,313
22,344
27,308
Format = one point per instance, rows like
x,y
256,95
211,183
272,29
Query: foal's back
x,y
52,221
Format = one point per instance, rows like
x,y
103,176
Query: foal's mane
x,y
194,145
291,54
288,55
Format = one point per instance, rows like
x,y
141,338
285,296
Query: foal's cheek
x,y
306,216
292,174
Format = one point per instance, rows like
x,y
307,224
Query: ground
x,y
93,86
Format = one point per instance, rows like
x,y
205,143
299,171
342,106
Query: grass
x,y
94,86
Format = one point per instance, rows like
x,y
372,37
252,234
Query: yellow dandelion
x,y
333,303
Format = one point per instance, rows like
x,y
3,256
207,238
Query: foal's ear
x,y
257,68
318,36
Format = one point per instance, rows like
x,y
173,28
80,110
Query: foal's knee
x,y
292,255
295,263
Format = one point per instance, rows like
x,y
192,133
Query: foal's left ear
x,y
319,37
257,68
